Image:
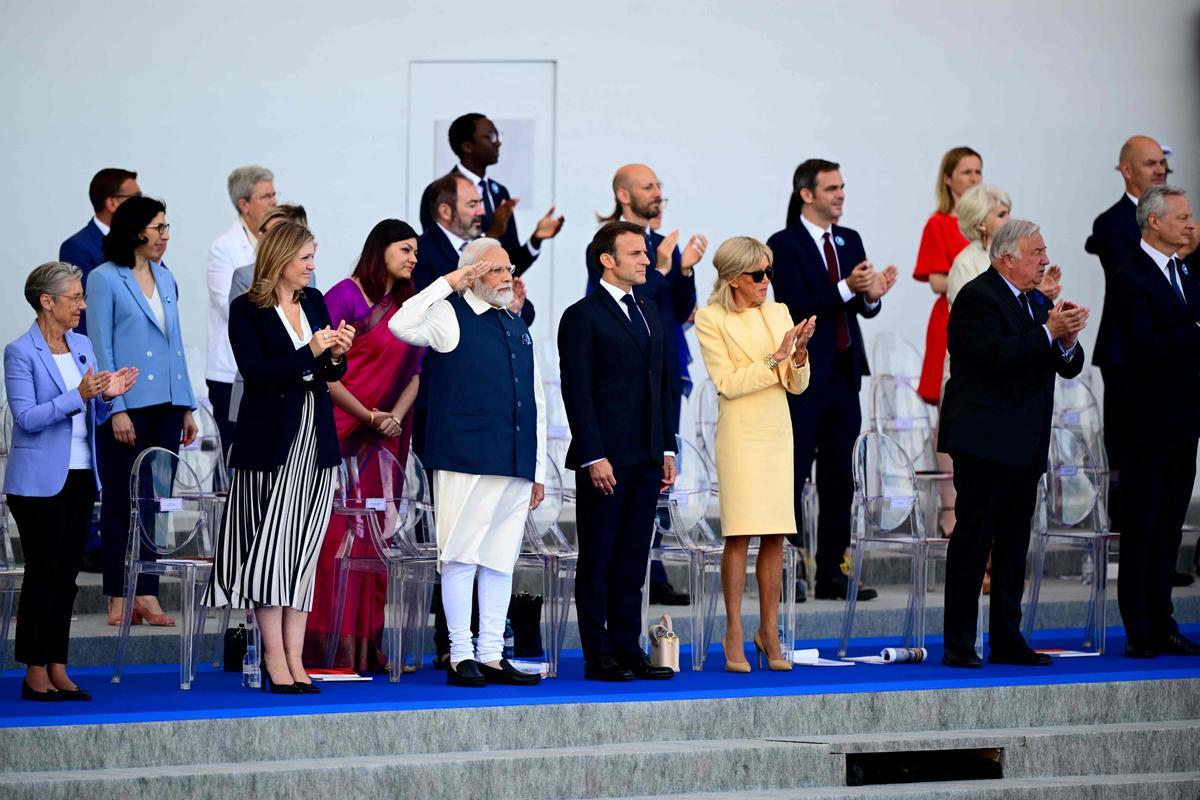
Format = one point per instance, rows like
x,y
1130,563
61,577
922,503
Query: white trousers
x,y
495,591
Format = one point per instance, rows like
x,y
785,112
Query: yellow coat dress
x,y
754,428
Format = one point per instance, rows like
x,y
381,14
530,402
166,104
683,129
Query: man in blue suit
x,y
476,142
109,188
821,268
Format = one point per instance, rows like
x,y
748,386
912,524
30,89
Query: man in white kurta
x,y
488,469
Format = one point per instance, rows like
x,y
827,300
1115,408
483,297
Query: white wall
x,y
722,99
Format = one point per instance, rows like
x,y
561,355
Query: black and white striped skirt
x,y
275,521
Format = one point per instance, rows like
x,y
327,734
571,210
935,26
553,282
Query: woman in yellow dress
x,y
755,356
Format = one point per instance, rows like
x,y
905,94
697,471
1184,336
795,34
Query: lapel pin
x,y
839,240
82,359
1183,268
525,340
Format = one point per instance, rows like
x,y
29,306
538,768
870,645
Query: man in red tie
x,y
821,268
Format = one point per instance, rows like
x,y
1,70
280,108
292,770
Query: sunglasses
x,y
758,274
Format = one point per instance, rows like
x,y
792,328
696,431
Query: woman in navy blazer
x,y
57,397
133,319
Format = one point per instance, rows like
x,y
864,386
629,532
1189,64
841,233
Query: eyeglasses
x,y
758,274
496,270
495,137
73,299
161,228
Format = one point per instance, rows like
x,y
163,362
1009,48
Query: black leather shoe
x,y
664,594
1182,579
48,696
441,661
1137,651
1177,644
606,669
838,592
968,660
466,674
78,693
641,667
1024,658
509,674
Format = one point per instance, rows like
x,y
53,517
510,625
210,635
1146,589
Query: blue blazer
x,y
85,249
802,283
126,334
42,409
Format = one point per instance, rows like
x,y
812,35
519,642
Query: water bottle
x,y
1089,570
251,672
509,639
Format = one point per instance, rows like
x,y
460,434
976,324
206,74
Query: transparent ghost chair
x,y
692,540
547,548
168,537
381,502
892,354
707,409
7,554
1072,510
886,518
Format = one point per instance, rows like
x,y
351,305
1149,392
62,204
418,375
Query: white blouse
x,y
156,306
81,450
299,340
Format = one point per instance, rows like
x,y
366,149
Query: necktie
x,y
640,329
488,208
835,277
1171,267
462,247
1024,300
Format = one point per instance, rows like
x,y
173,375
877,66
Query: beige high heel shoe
x,y
732,664
776,664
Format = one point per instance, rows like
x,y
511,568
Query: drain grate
x,y
919,766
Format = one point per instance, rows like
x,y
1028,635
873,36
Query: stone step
x,y
1063,606
664,768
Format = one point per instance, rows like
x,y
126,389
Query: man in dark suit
x,y
671,286
821,268
476,142
617,397
1153,307
109,188
1006,345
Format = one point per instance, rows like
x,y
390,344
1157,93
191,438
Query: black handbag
x,y
235,648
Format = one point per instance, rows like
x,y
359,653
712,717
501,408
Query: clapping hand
x,y
343,339
804,332
463,277
502,217
1051,283
120,382
861,277
93,383
883,282
665,253
1065,321
693,253
547,227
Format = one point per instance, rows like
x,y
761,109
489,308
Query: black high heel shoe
x,y
278,688
48,696
308,688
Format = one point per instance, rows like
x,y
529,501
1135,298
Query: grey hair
x,y
475,250
975,205
1008,239
49,278
1154,201
243,180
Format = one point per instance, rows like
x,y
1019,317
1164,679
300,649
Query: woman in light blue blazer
x,y
57,396
133,319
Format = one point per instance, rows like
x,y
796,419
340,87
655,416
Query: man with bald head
x,y
670,285
486,446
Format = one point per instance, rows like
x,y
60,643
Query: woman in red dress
x,y
941,241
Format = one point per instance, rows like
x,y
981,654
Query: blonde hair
x,y
975,205
735,257
293,212
945,201
276,249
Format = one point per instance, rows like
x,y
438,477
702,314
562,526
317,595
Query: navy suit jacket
x,y
673,294
522,259
273,370
616,393
1156,346
84,249
802,283
436,257
1000,395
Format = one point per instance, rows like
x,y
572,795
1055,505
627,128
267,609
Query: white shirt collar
x,y
1016,292
1132,199
816,233
103,228
617,293
479,305
466,173
1160,258
455,241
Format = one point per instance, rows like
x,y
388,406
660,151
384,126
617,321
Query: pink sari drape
x,y
378,369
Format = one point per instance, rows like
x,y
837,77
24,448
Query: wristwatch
x,y
770,361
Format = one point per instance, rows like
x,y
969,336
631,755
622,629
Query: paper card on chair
x,y
376,504
170,504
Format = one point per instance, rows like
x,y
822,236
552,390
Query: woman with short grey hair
x,y
57,397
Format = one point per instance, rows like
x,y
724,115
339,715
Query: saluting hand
x,y
463,277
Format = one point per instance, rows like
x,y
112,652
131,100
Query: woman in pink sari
x,y
372,409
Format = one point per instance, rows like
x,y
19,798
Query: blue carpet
x,y
150,693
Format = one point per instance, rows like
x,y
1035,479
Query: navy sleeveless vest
x,y
482,412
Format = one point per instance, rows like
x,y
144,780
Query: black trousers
x,y
825,422
154,426
1115,423
995,509
614,542
53,532
1157,477
219,395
